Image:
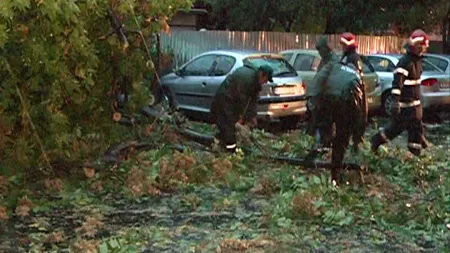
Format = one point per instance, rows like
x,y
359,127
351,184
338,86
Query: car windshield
x,y
281,68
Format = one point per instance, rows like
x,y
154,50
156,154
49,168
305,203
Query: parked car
x,y
196,82
306,62
442,61
435,84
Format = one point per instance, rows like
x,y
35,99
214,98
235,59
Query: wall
x,y
187,44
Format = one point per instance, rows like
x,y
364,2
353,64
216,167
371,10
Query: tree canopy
x,y
59,72
327,16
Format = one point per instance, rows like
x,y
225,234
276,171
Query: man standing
x,y
340,89
320,123
236,100
349,45
406,111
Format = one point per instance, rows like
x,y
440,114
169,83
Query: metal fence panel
x,y
187,44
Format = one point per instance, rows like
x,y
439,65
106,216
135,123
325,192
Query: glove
x,y
395,106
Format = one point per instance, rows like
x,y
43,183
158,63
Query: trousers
x,y
360,125
320,119
344,115
225,119
409,119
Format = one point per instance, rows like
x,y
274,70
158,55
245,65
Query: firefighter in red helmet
x,y
405,109
350,56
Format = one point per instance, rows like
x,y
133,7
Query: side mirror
x,y
179,72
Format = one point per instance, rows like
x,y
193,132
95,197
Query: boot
x,y
425,143
314,152
336,178
355,148
376,141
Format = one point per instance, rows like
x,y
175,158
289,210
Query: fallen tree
x,y
176,119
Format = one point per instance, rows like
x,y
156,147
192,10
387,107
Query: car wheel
x,y
168,100
386,102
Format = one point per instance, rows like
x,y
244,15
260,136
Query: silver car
x,y
306,62
442,61
194,84
435,84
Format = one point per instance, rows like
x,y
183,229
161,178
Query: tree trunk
x,y
288,26
446,33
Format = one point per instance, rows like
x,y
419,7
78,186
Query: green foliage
x,y
327,16
51,54
204,203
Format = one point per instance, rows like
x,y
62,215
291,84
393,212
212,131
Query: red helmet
x,y
418,42
348,39
418,37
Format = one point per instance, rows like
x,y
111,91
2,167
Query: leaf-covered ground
x,y
163,201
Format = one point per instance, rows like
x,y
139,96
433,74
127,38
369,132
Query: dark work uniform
x,y
321,120
352,57
406,89
236,97
341,90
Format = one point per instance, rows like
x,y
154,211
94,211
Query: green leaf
x,y
3,35
21,5
316,180
6,10
284,222
103,248
347,220
114,243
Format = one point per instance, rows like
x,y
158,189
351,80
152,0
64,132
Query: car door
x,y
371,82
306,66
222,66
189,86
384,68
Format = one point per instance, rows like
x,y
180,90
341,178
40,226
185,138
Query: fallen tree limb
x,y
203,139
151,112
154,212
312,163
208,140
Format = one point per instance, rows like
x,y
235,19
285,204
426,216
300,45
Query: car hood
x,y
168,77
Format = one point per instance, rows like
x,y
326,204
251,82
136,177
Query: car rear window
x,y
287,56
427,66
438,62
281,68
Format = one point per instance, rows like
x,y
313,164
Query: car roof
x,y
392,57
441,56
241,53
310,51
313,52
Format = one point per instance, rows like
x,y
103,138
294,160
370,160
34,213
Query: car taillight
x,y
303,86
429,82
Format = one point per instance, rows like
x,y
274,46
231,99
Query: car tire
x,y
168,99
386,100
